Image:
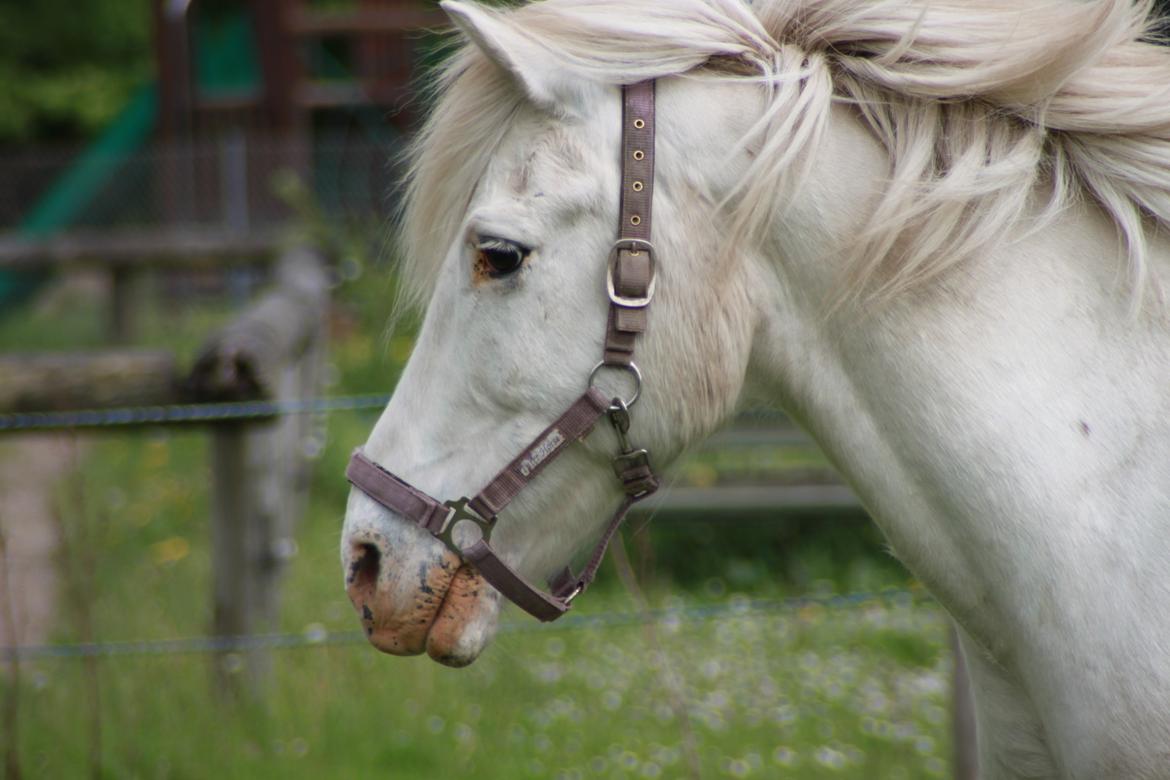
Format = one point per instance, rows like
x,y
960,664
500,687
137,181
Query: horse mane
x,y
977,102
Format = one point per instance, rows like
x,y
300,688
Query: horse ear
x,y
541,74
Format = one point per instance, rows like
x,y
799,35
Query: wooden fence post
x,y
241,566
258,467
962,715
256,503
122,303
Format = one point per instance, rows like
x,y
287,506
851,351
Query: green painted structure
x,y
258,69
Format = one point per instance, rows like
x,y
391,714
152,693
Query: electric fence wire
x,y
318,636
13,422
187,413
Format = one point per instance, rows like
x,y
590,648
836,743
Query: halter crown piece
x,y
629,280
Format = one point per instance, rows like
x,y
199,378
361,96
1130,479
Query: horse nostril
x,y
361,582
363,568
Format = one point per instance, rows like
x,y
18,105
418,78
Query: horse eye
x,y
500,257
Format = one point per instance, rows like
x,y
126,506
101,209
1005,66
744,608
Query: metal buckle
x,y
632,368
460,511
632,245
629,460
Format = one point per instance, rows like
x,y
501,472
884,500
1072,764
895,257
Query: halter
x,y
629,282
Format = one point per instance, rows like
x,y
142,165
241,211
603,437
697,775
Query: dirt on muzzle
x,y
468,597
444,608
397,619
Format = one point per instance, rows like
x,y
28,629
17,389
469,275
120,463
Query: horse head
x,y
514,206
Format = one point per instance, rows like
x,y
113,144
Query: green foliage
x,y
66,68
839,551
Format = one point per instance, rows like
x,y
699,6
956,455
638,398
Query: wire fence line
x,y
177,414
319,636
187,413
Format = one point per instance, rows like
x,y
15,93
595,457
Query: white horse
x,y
934,233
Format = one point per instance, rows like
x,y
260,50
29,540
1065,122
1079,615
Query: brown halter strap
x,y
630,285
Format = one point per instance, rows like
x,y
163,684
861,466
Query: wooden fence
x,y
273,351
126,254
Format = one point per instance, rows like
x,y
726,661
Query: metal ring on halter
x,y
630,245
631,368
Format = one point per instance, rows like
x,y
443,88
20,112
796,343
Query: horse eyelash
x,y
501,245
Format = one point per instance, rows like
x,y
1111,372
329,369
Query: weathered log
x,y
965,746
246,359
122,308
273,350
90,380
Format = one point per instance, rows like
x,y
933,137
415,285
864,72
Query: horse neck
x,y
980,418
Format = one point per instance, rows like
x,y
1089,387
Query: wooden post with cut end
x,y
66,382
245,506
122,304
963,716
257,470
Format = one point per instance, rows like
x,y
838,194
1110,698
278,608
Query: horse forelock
x,y
977,104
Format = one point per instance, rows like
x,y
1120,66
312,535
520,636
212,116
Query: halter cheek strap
x,y
630,285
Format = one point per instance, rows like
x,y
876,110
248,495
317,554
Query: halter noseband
x,y
630,276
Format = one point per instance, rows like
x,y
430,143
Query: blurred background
x,y
196,277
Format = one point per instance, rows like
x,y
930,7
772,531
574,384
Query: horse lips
x,y
460,630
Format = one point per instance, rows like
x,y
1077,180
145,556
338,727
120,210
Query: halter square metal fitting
x,y
461,511
630,245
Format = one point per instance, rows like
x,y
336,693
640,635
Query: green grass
x,y
808,693
811,691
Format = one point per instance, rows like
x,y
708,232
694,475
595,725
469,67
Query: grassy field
x,y
816,689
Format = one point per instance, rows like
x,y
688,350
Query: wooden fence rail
x,y
87,380
139,249
125,255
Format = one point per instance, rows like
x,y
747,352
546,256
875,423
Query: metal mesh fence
x,y
238,181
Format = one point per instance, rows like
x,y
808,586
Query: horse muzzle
x,y
414,595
